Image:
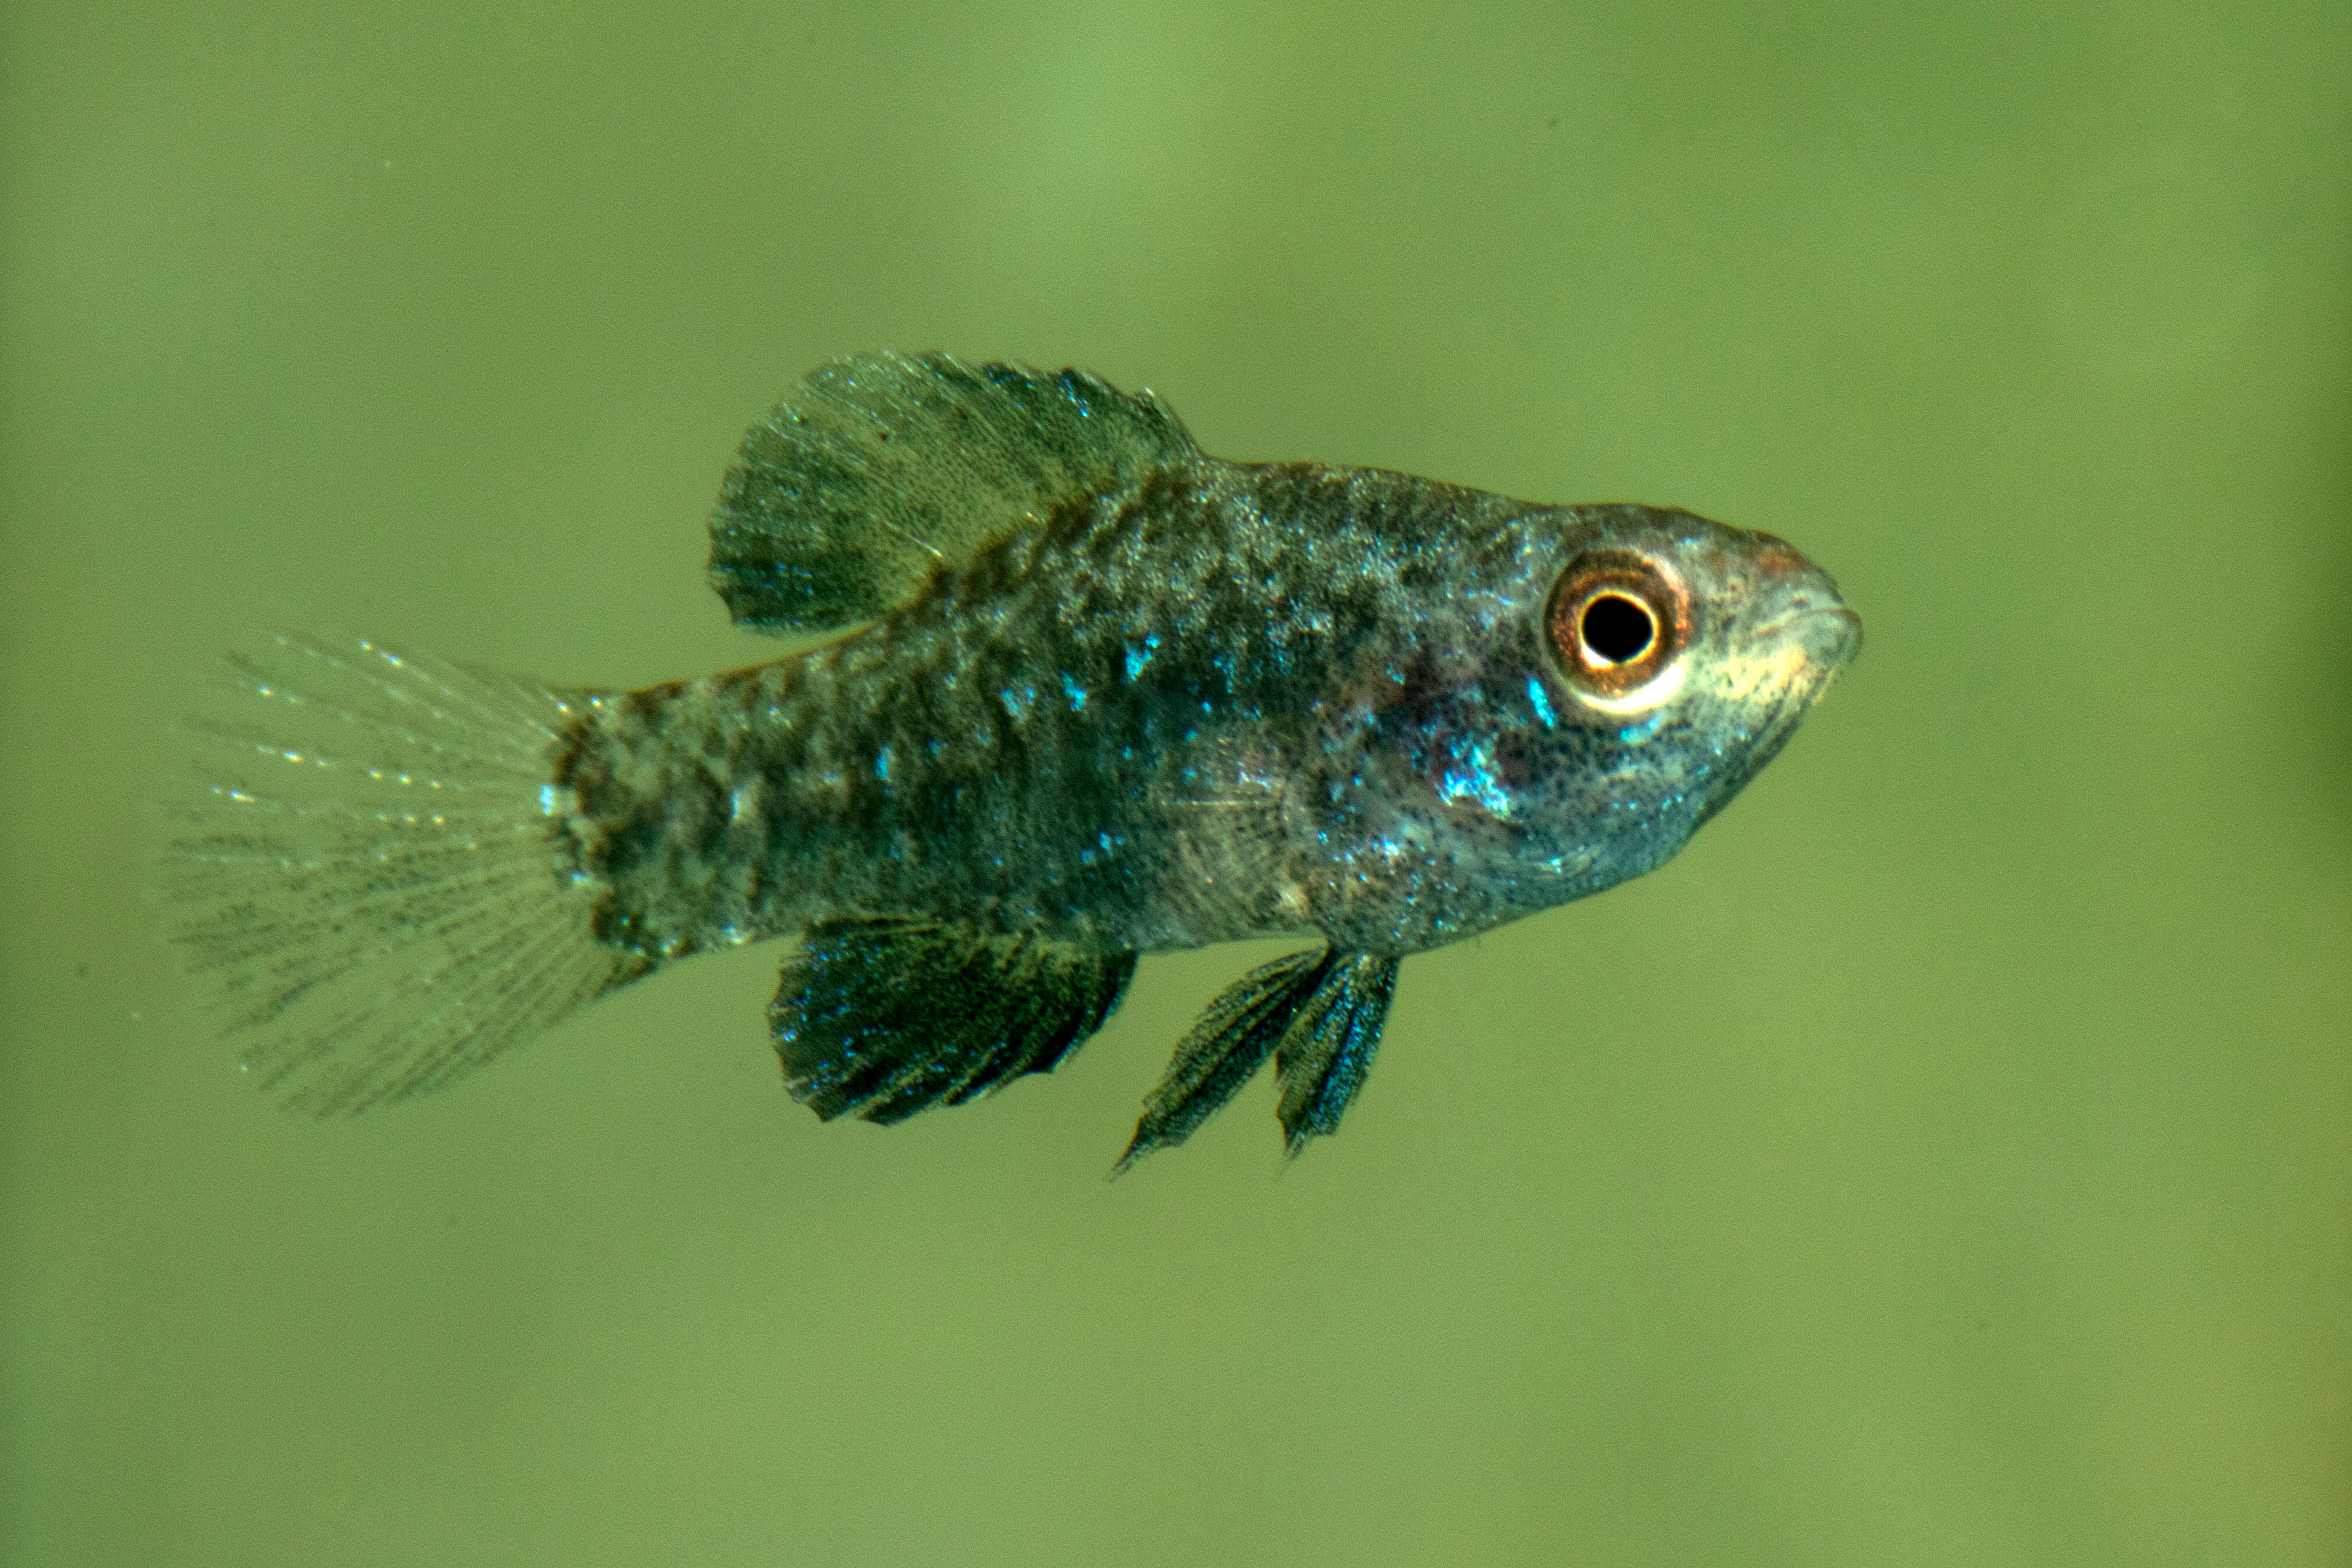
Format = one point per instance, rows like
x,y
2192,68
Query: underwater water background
x,y
1947,1160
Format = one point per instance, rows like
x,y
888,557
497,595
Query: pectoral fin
x,y
887,1018
1318,1015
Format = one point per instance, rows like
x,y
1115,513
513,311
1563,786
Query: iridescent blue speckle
x,y
1542,703
1634,734
1139,656
1473,778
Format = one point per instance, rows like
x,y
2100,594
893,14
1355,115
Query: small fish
x,y
1106,695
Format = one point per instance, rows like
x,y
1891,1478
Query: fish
x,y
1091,695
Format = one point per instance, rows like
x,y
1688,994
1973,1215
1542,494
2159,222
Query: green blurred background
x,y
1947,1160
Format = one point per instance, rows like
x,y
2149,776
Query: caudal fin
x,y
370,871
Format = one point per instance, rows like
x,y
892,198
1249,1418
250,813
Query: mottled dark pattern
x,y
1215,700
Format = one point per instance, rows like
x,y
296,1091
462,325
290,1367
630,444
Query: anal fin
x,y
886,1018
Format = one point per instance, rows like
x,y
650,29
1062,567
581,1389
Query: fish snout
x,y
1796,599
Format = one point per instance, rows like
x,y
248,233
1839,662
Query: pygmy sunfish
x,y
1106,695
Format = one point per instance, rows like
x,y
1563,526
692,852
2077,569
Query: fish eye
x,y
1617,619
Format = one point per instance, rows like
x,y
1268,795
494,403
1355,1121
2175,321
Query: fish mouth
x,y
1801,650
1832,637
1818,641
1806,608
1792,638
1790,658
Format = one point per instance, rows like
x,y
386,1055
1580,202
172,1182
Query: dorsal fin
x,y
879,470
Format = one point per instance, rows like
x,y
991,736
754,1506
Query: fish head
x,y
1671,659
1615,676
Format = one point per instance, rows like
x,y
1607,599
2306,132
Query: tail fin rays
x,y
372,870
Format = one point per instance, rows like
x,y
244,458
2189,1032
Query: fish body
x,y
1110,696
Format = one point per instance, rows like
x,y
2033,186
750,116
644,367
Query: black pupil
x,y
1616,629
